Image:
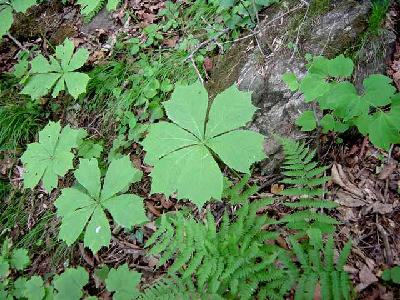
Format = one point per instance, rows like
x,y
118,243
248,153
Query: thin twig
x,y
389,157
197,71
206,42
256,12
329,38
16,42
298,33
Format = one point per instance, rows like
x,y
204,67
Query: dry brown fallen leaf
x,y
366,278
339,177
349,200
171,42
382,208
277,188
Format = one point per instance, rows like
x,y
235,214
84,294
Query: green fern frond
x,y
229,262
306,180
336,293
343,256
317,265
345,285
239,193
311,203
175,288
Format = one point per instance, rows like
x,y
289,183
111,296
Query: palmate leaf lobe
x,y
123,283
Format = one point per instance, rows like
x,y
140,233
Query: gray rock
x,y
101,21
258,65
374,56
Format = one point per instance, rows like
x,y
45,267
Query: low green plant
x,y
122,282
183,153
242,13
21,68
51,157
375,112
67,285
306,182
84,205
11,260
90,149
17,259
58,73
7,10
392,275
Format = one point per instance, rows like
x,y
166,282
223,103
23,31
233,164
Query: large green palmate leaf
x,y
82,208
184,153
59,73
51,156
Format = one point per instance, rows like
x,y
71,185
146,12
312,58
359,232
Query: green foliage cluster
x,y
306,182
173,287
83,205
58,73
233,258
186,152
375,112
20,119
238,262
234,261
183,152
317,265
7,10
144,80
12,259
